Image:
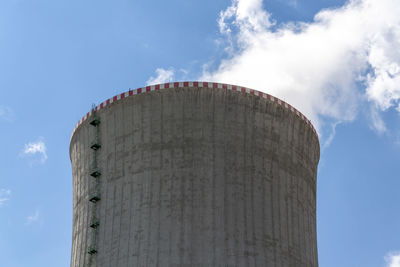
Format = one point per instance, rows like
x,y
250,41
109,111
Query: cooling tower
x,y
194,174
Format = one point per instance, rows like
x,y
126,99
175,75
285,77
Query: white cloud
x,y
384,56
318,67
163,76
377,122
32,218
4,196
34,148
332,134
6,113
392,259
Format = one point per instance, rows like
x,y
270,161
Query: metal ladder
x,y
94,190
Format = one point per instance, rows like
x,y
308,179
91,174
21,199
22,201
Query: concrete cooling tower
x,y
194,174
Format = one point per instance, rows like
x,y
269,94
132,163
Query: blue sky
x,y
340,66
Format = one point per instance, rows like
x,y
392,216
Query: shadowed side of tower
x,y
195,176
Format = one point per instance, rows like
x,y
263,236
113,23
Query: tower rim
x,y
195,84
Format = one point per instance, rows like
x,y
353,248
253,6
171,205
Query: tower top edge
x,y
194,84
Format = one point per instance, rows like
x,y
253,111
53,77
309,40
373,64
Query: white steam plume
x,y
327,67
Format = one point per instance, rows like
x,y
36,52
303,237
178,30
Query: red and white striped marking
x,y
195,84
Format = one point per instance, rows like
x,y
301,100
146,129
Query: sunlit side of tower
x,y
194,174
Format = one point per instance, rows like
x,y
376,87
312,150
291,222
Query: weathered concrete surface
x,y
198,177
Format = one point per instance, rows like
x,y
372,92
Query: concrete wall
x,y
197,177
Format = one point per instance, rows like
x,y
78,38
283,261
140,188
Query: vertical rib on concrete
x,y
198,177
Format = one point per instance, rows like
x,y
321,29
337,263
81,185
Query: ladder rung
x,y
95,173
92,250
94,224
95,121
94,198
95,146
